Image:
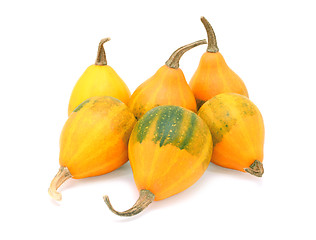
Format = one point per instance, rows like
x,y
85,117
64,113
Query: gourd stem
x,y
62,175
173,61
212,43
101,57
256,169
146,197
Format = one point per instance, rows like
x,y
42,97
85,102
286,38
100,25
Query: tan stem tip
x,y
146,197
62,175
173,61
212,42
256,169
101,57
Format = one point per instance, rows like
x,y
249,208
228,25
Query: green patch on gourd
x,y
246,107
169,127
81,105
226,115
224,119
218,130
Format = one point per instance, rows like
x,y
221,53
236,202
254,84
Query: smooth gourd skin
x,y
169,150
237,129
213,76
94,140
167,86
98,80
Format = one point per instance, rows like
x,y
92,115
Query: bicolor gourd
x,y
213,76
167,86
94,140
169,150
98,80
237,129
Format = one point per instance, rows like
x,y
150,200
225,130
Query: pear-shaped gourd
x,y
98,80
167,86
94,140
213,76
169,150
237,130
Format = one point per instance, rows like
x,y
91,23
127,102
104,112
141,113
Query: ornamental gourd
x,y
169,150
98,80
213,76
167,86
237,129
94,140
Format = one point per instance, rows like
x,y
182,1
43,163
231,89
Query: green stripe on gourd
x,y
168,126
144,123
190,133
81,105
109,103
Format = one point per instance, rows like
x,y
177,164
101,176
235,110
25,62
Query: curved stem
x,y
173,61
101,58
256,169
212,43
146,197
62,175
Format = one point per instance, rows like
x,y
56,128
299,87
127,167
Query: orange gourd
x,y
169,150
213,76
93,140
167,86
237,130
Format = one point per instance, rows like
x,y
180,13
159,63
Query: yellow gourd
x,y
98,80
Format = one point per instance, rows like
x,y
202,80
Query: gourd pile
x,y
168,129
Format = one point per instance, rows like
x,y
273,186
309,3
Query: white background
x,y
46,46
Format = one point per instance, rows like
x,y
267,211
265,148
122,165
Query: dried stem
x,y
212,43
146,197
62,175
101,57
256,169
173,61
